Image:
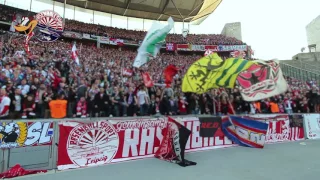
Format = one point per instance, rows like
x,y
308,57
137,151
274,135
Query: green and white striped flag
x,y
152,43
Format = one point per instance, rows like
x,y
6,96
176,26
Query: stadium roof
x,y
180,10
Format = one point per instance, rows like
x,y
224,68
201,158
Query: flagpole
x,y
214,105
121,65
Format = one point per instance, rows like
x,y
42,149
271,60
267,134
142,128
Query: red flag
x,y
118,42
169,73
238,54
127,72
17,170
148,82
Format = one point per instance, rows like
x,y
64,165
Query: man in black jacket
x,y
15,108
101,103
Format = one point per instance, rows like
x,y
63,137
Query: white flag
x,y
75,54
153,41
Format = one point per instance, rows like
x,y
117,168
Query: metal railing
x,y
312,66
299,73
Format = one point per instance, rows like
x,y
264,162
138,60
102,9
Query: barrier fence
x,y
37,144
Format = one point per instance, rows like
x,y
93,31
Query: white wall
x,y
313,32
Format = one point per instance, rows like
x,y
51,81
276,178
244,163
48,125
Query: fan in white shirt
x,y
4,103
25,88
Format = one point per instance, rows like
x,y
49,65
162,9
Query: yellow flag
x,y
212,72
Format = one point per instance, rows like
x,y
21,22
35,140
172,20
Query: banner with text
x,y
214,48
86,36
23,134
103,40
312,125
71,34
279,129
171,46
83,144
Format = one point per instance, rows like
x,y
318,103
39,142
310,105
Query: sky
x,y
275,29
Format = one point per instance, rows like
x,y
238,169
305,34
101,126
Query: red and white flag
x,y
118,42
208,52
74,54
238,54
148,82
127,72
15,22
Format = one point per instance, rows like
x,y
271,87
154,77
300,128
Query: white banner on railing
x,y
312,125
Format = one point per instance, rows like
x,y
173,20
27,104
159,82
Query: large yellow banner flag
x,y
212,72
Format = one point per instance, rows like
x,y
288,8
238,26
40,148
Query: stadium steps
x,y
300,73
312,66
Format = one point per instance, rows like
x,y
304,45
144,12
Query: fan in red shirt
x,y
182,104
82,107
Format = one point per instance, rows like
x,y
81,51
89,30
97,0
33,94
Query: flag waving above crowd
x,y
212,72
262,80
74,54
256,79
152,43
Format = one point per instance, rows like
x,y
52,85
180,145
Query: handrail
x,y
300,68
137,117
317,70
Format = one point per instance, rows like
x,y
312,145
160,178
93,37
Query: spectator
x,y
4,104
82,108
143,101
16,104
25,88
101,104
58,107
29,107
132,103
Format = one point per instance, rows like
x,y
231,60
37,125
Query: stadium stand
x,y
97,88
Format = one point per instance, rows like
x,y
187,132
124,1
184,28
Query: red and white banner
x,y
228,48
214,48
279,129
238,54
103,40
71,34
171,47
184,47
127,72
118,42
197,143
312,125
84,144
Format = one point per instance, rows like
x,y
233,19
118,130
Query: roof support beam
x,y
177,9
127,6
195,8
163,9
86,4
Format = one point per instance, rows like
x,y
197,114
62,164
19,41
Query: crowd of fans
x,y
48,83
38,86
130,35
